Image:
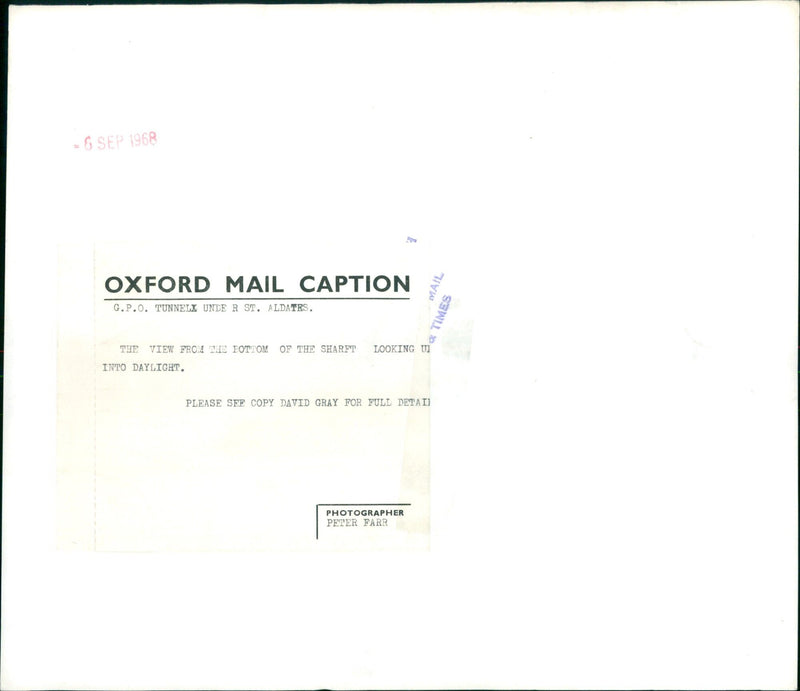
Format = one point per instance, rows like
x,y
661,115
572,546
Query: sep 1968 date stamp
x,y
117,142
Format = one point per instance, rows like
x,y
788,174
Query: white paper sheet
x,y
578,430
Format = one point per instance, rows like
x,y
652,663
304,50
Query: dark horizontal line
x,y
252,299
363,504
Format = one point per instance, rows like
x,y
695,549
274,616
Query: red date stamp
x,y
116,142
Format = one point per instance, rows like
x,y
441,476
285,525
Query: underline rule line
x,y
251,299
